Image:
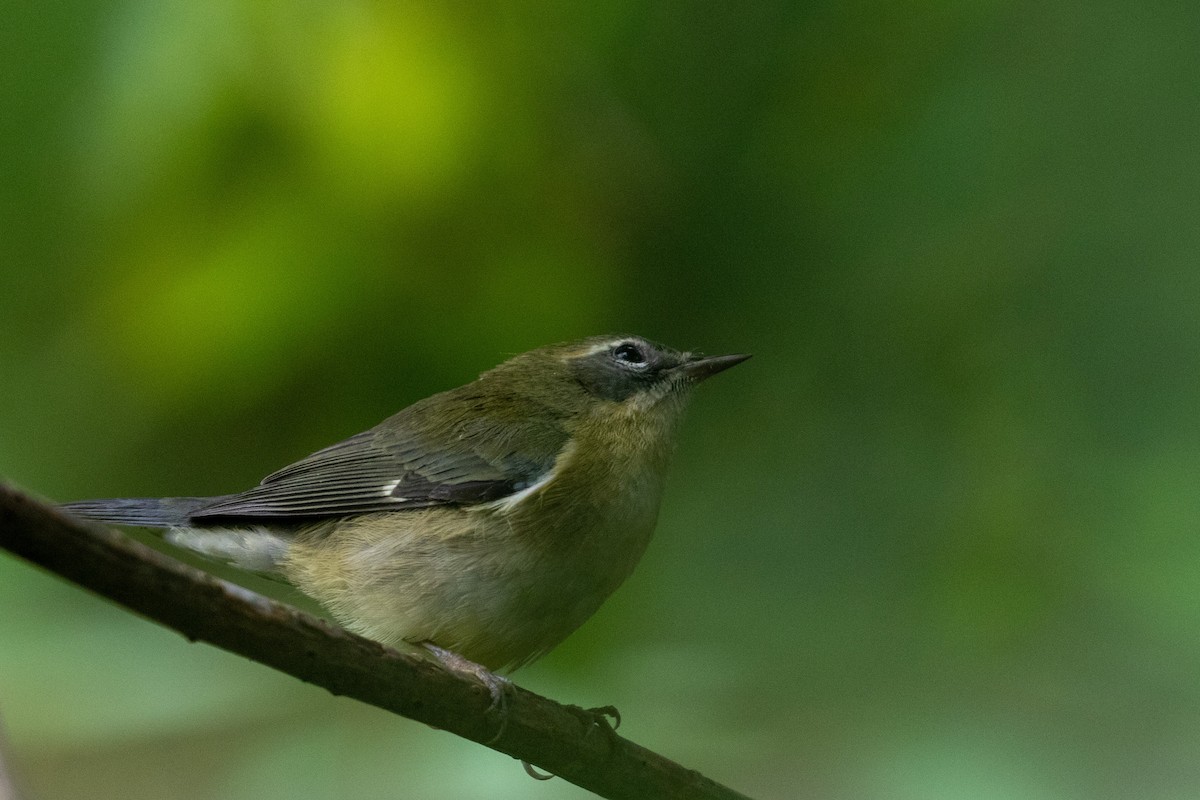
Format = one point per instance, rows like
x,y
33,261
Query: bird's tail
x,y
141,512
256,548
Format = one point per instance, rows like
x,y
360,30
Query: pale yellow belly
x,y
488,587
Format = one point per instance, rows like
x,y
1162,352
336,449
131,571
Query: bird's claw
x,y
500,689
592,718
598,717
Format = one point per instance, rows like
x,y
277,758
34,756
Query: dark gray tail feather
x,y
141,512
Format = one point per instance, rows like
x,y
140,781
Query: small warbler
x,y
483,524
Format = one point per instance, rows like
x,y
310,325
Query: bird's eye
x,y
629,354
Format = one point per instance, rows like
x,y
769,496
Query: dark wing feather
x,y
383,469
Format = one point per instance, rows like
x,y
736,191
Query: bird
x,y
481,525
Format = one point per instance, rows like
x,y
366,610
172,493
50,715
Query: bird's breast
x,y
592,515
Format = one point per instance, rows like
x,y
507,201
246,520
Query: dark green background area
x,y
936,540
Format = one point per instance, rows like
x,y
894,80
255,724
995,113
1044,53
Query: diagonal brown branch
x,y
202,607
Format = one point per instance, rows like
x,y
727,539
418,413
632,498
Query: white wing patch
x,y
507,504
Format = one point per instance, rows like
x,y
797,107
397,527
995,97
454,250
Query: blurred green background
x,y
937,540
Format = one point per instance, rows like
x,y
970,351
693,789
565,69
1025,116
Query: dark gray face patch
x,y
625,367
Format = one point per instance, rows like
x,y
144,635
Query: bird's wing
x,y
382,470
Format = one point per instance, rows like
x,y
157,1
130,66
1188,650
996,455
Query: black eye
x,y
629,354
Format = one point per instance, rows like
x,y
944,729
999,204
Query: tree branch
x,y
561,739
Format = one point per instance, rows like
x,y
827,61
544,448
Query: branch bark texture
x,y
557,738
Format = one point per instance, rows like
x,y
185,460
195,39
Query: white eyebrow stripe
x,y
596,348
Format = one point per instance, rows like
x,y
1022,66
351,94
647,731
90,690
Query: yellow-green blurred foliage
x,y
938,540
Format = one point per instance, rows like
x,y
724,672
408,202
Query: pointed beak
x,y
701,368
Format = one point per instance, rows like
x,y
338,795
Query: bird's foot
x,y
500,688
592,718
598,717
